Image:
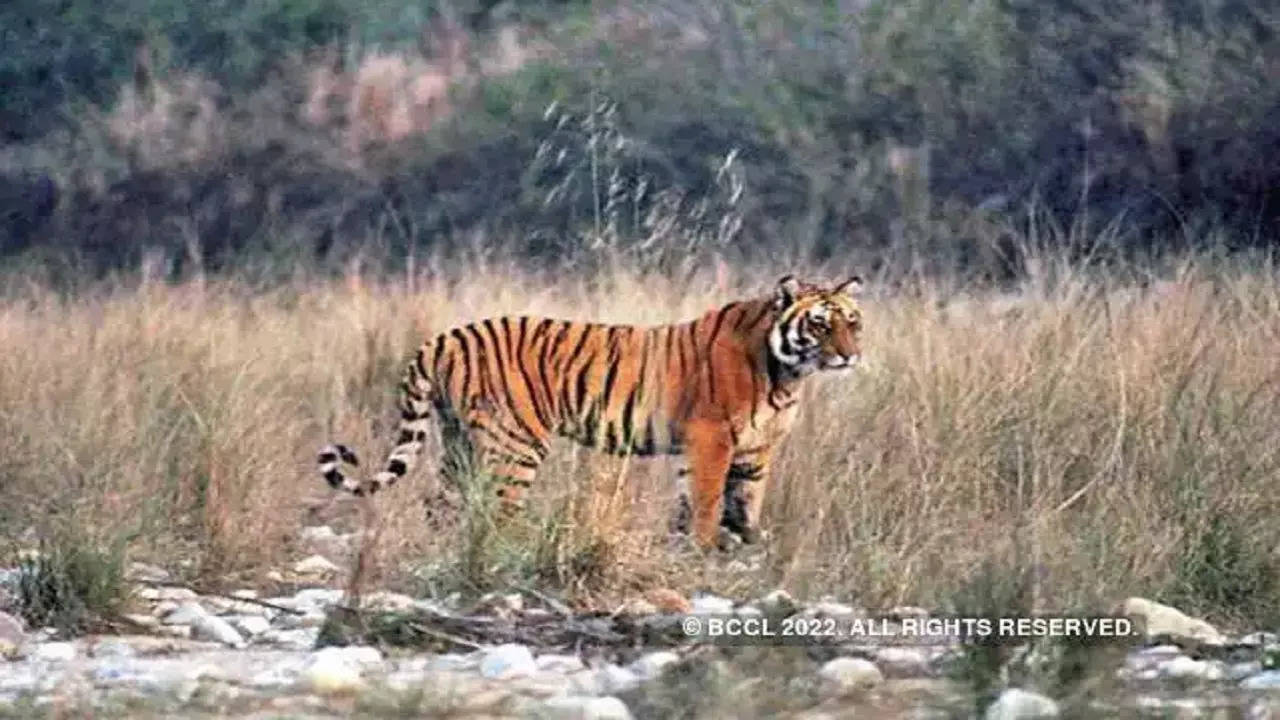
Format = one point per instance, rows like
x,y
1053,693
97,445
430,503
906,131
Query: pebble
x,y
651,665
612,679
1185,668
186,614
283,672
212,627
56,652
711,605
559,663
848,675
251,625
315,565
1018,704
777,603
334,670
506,661
575,707
1265,680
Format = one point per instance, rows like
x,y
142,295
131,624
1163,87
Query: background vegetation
x,y
226,223
302,131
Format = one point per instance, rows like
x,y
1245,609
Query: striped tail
x,y
416,393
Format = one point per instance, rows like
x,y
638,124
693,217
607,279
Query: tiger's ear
x,y
851,287
786,291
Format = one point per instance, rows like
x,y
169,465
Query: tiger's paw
x,y
729,541
753,535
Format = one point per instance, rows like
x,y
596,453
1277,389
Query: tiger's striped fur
x,y
721,389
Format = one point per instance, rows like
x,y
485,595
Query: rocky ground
x,y
246,655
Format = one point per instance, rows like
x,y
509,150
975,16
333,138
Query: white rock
x,y
250,625
500,604
455,662
314,598
1241,670
506,661
364,655
389,601
1018,704
298,639
710,605
578,707
1184,668
846,675
651,664
113,648
1265,680
186,614
176,594
55,652
12,634
316,533
1259,639
829,608
212,627
142,572
146,622
748,611
1154,620
315,565
559,663
903,660
908,611
586,682
612,679
332,671
778,602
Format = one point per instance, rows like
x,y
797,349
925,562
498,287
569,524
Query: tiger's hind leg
x,y
511,457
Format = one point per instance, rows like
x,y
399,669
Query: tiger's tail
x,y
417,392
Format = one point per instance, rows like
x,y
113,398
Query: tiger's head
x,y
816,328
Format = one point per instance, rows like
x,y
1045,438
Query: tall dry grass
x,y
1091,437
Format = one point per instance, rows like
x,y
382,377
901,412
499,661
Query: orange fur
x,y
722,389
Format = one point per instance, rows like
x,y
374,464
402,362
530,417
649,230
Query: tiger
x,y
722,389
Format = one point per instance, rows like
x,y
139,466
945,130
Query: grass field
x,y
1053,447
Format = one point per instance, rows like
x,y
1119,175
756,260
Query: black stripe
x,y
560,338
397,467
577,349
649,446
513,411
534,400
466,360
610,371
420,365
441,342
502,436
544,378
628,409
611,438
764,308
482,362
580,389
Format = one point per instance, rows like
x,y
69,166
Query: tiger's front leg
x,y
709,451
748,479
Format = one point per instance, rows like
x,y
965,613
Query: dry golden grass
x,y
1102,439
